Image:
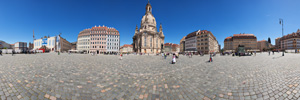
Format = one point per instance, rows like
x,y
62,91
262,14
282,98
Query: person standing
x,y
1,52
173,59
12,52
121,56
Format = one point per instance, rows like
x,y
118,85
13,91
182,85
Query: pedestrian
x,y
269,53
162,55
121,56
58,53
210,58
173,59
273,52
165,55
1,52
12,52
255,53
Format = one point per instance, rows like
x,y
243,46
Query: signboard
x,y
44,42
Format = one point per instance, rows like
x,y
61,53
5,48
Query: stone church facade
x,y
146,39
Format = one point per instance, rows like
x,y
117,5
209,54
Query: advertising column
x,y
58,43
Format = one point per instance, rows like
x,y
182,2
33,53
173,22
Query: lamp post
x,y
281,22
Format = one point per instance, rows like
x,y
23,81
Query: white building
x,y
21,46
55,43
113,43
126,48
191,42
83,41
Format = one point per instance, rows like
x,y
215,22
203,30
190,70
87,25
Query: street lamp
x,y
281,22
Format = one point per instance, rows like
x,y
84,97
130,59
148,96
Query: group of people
x,y
164,56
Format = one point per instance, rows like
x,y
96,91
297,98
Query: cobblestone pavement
x,y
78,76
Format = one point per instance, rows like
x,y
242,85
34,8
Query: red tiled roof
x,y
126,45
167,44
244,36
228,39
262,41
175,45
171,44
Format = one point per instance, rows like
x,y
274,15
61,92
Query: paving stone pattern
x,y
105,77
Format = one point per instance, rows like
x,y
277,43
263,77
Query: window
x,y
150,42
145,41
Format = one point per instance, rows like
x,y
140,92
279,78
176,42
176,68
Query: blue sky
x,y
223,18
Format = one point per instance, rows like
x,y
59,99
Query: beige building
x,y
207,42
201,41
126,48
182,45
171,48
291,42
263,45
277,43
249,41
146,39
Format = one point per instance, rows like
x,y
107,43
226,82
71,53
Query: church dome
x,y
148,19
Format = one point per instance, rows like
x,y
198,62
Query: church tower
x,y
147,39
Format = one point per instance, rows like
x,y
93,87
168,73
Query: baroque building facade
x,y
99,39
248,40
146,39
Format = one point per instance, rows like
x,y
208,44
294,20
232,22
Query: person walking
x,y
165,55
1,52
210,58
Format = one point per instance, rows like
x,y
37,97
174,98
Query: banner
x,y
44,42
